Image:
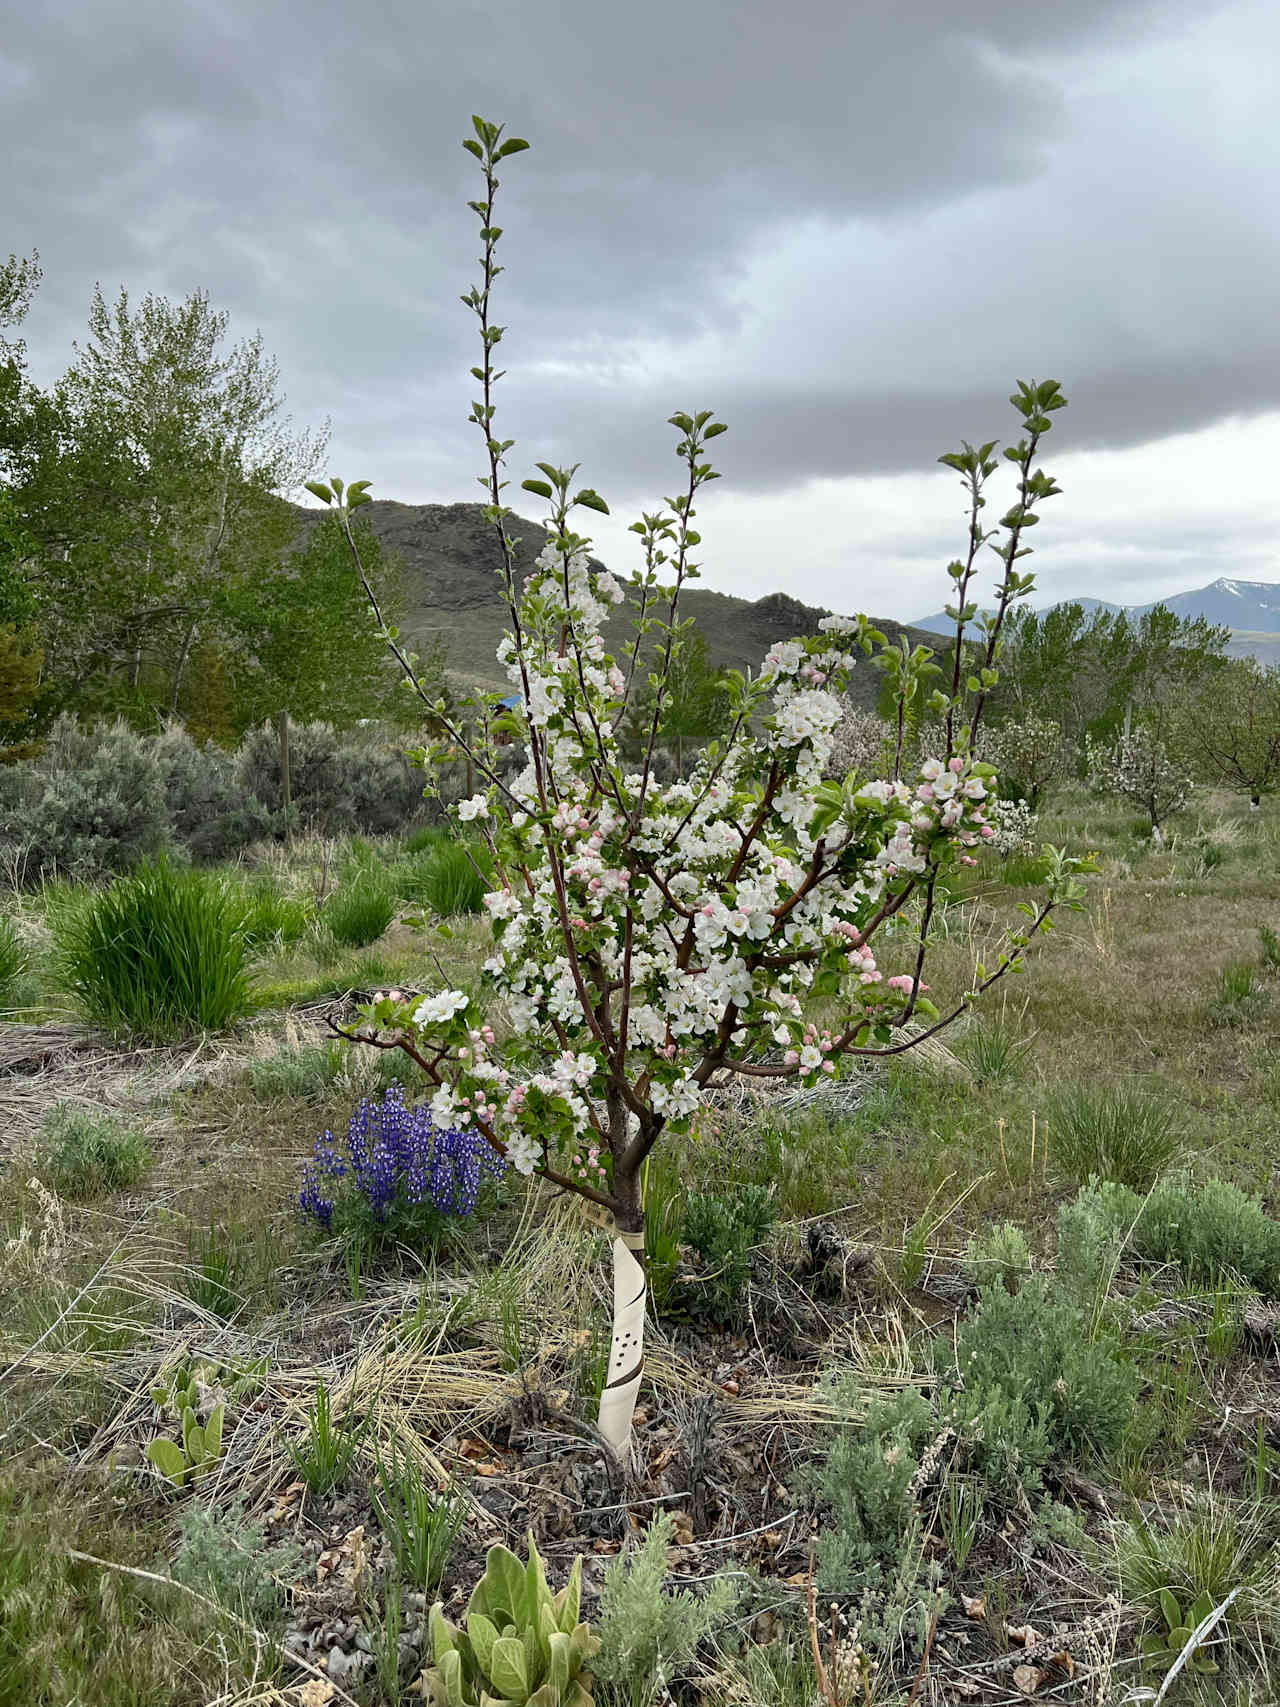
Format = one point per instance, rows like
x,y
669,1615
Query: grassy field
x,y
1022,1432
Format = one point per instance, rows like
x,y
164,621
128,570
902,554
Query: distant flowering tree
x,y
651,942
861,741
1029,753
1138,768
1014,825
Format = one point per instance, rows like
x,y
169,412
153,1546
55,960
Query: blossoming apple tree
x,y
651,942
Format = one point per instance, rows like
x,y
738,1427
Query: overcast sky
x,y
847,227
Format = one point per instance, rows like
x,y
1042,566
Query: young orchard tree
x,y
1029,753
1138,768
652,942
1230,731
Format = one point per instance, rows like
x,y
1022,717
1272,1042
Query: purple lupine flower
x,y
396,1155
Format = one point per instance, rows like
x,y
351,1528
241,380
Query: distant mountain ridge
x,y
1250,609
450,558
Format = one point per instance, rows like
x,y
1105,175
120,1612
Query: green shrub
x,y
1269,942
84,1153
873,1547
360,912
1209,1230
454,878
1032,1346
649,1635
13,962
159,954
1001,1255
1093,1230
223,1555
724,1227
338,783
1112,1132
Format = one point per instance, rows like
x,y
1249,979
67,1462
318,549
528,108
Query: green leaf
x,y
569,1600
213,1432
504,1581
169,1458
513,145
538,487
442,1632
482,1633
592,501
319,490
509,1671
1170,1610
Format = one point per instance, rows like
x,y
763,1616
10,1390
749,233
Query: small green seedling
x,y
199,1451
1161,1649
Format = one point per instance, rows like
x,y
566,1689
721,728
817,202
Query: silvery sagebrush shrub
x,y
337,782
1138,768
222,1554
211,812
652,942
649,1633
90,805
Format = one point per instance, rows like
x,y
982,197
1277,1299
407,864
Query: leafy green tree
x,y
1229,731
151,482
1094,672
308,644
695,699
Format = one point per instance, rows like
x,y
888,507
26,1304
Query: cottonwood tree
x,y
651,943
152,489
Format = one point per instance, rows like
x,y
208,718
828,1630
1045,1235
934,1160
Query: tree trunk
x,y
180,668
626,1349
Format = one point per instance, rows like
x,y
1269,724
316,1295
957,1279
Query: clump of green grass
x,y
299,1072
1113,1132
361,911
269,915
326,1453
84,1153
1209,1547
158,955
212,1275
1239,999
1269,942
13,963
454,879
992,1050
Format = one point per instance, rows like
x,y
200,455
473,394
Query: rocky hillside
x,y
449,552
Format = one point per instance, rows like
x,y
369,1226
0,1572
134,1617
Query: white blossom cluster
x,y
1014,824
648,936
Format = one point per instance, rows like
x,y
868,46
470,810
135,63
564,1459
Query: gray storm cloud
x,y
846,228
